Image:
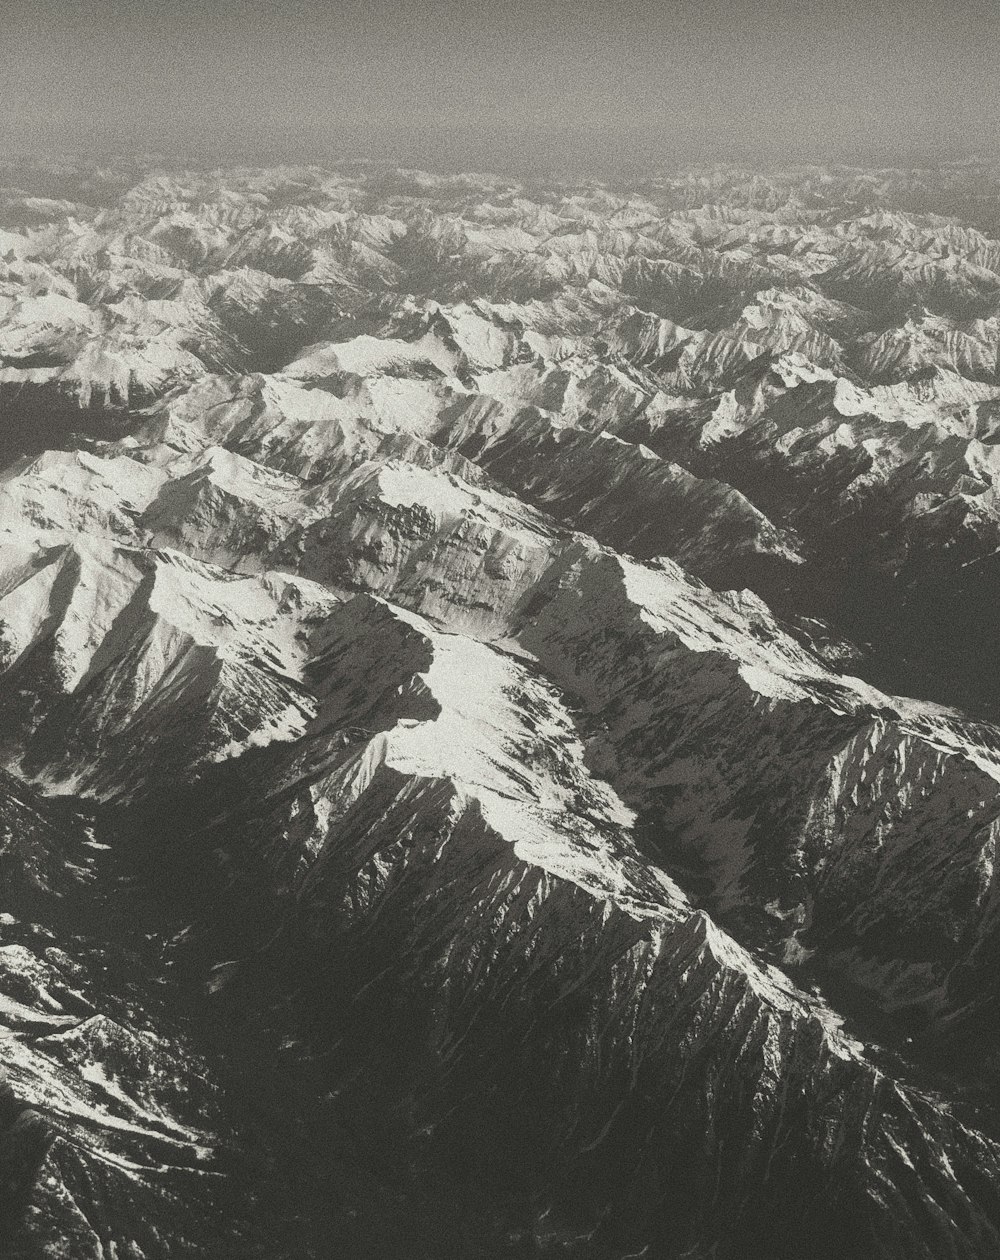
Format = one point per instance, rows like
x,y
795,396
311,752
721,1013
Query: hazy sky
x,y
495,83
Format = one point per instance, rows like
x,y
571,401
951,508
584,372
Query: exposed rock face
x,y
455,800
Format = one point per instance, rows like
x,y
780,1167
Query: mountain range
x,y
499,714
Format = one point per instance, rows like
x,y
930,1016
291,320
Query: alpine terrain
x,y
499,714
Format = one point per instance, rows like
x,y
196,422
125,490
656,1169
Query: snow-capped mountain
x,y
500,726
